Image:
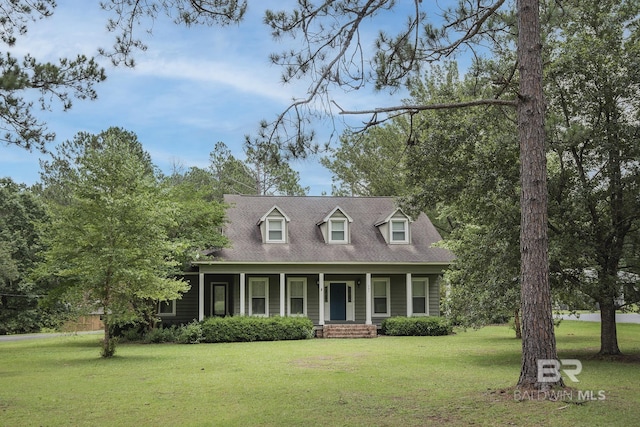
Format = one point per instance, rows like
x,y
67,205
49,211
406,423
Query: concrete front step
x,y
348,331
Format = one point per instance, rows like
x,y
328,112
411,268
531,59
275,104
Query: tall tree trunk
x,y
516,324
106,341
608,329
612,250
538,339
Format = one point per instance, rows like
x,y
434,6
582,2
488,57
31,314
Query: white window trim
x,y
388,296
252,280
173,308
425,280
405,222
346,230
283,230
304,295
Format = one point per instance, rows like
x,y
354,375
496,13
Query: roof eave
x,y
221,262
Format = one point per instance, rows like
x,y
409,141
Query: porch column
x,y
409,296
200,296
428,312
242,294
321,291
282,295
368,299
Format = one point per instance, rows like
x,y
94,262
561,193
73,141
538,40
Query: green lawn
x,y
392,381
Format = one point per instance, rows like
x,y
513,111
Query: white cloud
x,y
251,78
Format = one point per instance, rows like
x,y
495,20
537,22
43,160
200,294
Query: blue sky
x,y
192,88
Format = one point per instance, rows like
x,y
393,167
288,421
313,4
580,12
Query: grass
x,y
461,379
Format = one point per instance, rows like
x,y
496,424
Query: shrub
x,y
131,335
416,326
190,333
161,335
128,330
245,329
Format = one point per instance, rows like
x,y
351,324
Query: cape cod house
x,y
337,260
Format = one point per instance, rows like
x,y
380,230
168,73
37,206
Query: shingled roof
x,y
305,240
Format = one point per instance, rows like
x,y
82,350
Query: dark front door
x,y
338,301
219,299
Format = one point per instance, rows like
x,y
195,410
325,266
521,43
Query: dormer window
x,y
399,231
395,228
275,230
273,226
335,227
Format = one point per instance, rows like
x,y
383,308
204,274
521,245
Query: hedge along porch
x,y
333,259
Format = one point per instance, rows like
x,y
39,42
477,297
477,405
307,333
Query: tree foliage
x,y
21,217
108,239
593,84
370,163
126,15
23,80
263,172
463,164
198,216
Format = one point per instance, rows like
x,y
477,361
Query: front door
x,y
339,301
218,301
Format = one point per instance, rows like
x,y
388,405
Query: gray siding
x,y
313,310
187,306
398,295
434,295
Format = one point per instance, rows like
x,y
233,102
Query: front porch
x,y
337,296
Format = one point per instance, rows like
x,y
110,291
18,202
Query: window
x,y
381,297
420,296
167,308
338,230
258,296
297,298
275,230
399,230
